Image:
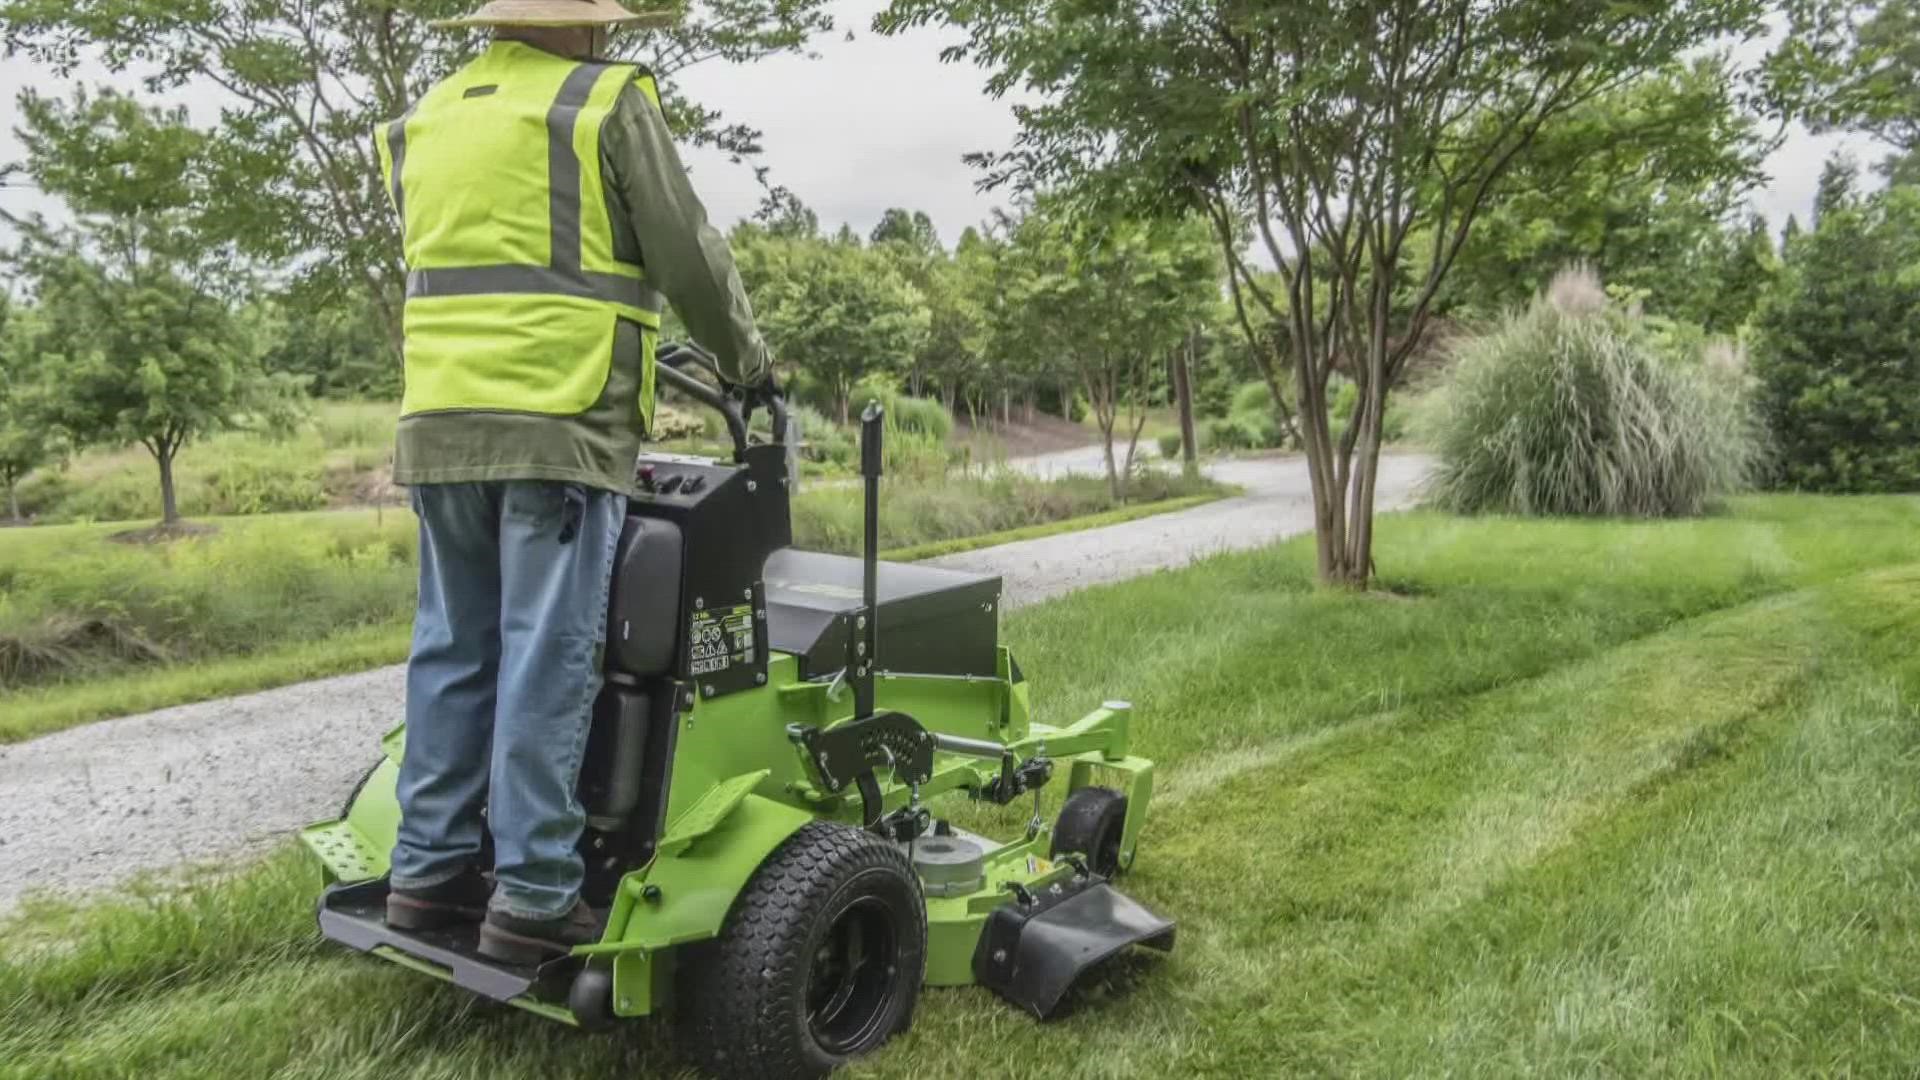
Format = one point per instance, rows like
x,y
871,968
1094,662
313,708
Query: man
x,y
544,212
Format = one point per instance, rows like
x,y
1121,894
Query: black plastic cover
x,y
932,621
1031,953
611,768
643,614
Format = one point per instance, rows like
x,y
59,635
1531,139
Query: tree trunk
x,y
1183,396
169,507
13,501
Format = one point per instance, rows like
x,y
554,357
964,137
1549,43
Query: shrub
x,y
1575,412
261,483
1837,351
1234,433
920,415
1253,397
1170,445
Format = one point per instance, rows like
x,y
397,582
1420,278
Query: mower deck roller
x,y
760,783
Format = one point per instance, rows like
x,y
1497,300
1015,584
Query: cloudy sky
x,y
868,123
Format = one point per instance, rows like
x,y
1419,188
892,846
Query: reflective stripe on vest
x,y
513,287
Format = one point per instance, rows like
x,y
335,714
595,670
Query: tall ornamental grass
x,y
1570,408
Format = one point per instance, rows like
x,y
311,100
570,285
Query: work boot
x,y
511,939
458,899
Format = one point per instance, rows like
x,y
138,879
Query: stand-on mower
x,y
757,784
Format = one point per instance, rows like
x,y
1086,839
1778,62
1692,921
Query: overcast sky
x,y
870,123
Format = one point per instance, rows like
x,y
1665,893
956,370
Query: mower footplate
x,y
1033,950
356,916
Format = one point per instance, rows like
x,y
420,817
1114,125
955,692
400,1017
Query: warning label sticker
x,y
721,638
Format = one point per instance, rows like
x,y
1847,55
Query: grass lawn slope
x,y
1577,798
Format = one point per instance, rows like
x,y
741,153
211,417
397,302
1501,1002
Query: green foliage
x,y
1651,214
136,341
1252,397
291,175
1854,65
1576,412
1837,352
27,440
1109,300
839,311
904,413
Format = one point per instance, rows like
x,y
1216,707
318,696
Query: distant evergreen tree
x,y
1838,351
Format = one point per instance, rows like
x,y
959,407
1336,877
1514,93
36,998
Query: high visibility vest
x,y
513,288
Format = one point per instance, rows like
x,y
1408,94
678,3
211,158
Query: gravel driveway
x,y
84,808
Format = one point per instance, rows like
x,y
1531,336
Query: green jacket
x,y
659,223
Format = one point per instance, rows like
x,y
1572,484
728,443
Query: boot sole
x,y
520,950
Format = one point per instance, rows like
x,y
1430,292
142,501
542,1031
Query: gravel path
x,y
84,808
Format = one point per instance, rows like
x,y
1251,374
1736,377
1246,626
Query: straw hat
x,y
557,13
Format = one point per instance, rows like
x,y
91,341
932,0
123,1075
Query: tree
x,y
1615,187
912,229
960,293
1839,186
308,83
1112,300
838,310
129,304
1837,353
1854,65
27,440
1358,141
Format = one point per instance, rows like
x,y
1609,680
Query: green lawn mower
x,y
759,781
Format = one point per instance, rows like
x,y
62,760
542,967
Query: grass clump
x,y
1569,408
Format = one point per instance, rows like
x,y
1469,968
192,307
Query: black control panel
x,y
676,478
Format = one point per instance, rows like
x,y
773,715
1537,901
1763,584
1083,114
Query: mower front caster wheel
x,y
820,960
1091,823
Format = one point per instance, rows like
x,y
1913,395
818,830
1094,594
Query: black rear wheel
x,y
1091,823
819,961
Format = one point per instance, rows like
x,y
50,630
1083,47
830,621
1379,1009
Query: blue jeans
x,y
506,663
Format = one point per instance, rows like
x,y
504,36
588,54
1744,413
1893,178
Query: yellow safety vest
x,y
513,289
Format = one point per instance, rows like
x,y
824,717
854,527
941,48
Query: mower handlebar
x,y
734,404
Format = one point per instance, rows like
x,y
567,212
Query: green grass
x,y
1579,798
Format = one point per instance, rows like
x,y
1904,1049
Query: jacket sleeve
x,y
685,257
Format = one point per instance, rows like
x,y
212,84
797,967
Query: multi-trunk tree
x,y
1355,141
